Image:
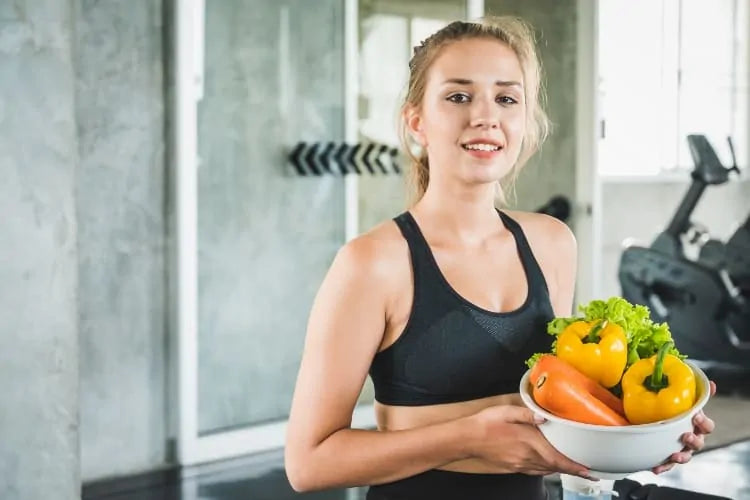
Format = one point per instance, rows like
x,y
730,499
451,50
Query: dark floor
x,y
724,471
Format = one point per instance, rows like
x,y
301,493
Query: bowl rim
x,y
703,386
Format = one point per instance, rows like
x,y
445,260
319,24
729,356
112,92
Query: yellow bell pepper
x,y
598,349
657,388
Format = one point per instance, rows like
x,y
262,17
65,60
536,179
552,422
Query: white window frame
x,y
588,202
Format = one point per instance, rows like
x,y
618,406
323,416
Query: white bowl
x,y
615,452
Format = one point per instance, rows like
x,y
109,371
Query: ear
x,y
413,120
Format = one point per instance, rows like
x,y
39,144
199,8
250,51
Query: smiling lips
x,y
482,148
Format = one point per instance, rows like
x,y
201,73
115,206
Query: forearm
x,y
353,457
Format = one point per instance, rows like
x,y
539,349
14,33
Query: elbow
x,y
301,478
297,481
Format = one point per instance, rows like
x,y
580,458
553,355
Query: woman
x,y
444,303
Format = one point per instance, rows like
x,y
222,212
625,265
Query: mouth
x,y
482,146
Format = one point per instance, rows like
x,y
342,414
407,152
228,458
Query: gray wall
x,y
553,170
121,208
38,333
120,203
720,209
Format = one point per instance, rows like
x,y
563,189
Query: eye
x,y
506,99
458,98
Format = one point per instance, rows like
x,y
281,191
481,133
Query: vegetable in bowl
x,y
612,348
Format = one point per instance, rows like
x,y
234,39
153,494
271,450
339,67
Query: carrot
x,y
553,364
565,398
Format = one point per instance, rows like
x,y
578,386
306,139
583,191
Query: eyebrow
x,y
499,83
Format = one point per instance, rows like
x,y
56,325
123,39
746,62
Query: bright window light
x,y
670,68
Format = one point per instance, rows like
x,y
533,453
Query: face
x,y
472,118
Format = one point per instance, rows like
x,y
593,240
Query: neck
x,y
464,213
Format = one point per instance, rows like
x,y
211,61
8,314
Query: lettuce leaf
x,y
533,359
643,335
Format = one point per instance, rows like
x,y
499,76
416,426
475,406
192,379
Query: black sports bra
x,y
452,350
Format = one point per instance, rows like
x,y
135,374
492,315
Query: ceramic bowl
x,y
615,452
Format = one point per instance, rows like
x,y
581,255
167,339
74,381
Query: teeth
x,y
482,147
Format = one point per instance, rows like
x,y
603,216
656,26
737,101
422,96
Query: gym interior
x,y
179,174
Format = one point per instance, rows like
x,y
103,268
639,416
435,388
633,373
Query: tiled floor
x,y
724,471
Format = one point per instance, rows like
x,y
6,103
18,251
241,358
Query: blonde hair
x,y
515,33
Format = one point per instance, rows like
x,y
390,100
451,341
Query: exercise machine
x,y
705,299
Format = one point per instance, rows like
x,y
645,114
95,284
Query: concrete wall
x,y
553,170
38,333
120,201
252,215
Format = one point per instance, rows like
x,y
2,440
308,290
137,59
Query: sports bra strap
x,y
537,282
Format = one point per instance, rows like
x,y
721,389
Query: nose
x,y
485,114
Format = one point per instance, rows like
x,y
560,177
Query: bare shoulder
x,y
546,234
377,253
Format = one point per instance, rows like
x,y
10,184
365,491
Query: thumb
x,y
520,415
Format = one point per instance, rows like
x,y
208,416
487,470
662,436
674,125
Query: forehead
x,y
478,59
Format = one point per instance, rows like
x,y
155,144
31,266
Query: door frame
x,y
588,201
190,446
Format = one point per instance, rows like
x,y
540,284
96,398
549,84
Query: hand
x,y
509,438
694,441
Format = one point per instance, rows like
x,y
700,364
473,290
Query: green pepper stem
x,y
658,380
593,336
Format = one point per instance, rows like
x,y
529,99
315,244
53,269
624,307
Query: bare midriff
x,y
395,418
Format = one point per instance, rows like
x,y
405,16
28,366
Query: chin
x,y
489,174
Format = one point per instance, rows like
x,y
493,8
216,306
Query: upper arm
x,y
564,268
344,331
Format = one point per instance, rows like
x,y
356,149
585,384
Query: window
x,y
670,68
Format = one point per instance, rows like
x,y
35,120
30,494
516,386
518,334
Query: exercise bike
x,y
705,300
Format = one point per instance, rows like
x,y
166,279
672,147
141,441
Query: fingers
x,y
566,466
693,442
560,463
681,457
712,386
519,415
660,469
703,424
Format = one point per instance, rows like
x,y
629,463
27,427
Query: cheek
x,y
441,122
515,129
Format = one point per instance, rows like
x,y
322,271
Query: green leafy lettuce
x,y
644,336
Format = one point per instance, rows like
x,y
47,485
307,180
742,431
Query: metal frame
x,y
191,447
588,209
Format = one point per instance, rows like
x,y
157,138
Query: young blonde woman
x,y
442,305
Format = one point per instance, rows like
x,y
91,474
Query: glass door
x,y
253,239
